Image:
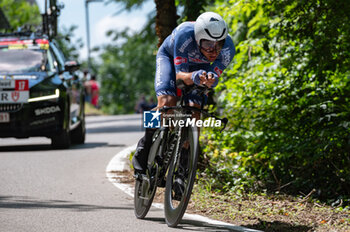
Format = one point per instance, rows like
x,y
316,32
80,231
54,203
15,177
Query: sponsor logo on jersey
x,y
185,45
218,71
158,73
196,60
180,60
226,56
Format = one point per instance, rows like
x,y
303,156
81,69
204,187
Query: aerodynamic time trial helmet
x,y
210,26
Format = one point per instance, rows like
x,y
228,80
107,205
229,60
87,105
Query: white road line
x,y
118,164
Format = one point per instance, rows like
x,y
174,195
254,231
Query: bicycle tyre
x,y
174,214
142,206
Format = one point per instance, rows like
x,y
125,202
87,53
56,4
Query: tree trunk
x,y
165,19
193,9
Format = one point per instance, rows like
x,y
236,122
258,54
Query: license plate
x,y
4,117
14,91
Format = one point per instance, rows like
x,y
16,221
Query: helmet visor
x,y
211,46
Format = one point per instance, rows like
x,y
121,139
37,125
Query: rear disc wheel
x,y
145,190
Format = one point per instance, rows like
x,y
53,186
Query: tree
x,y
4,24
192,9
128,65
166,17
127,69
286,96
20,13
69,48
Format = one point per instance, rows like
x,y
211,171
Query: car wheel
x,y
61,141
78,134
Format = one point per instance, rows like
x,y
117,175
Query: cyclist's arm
x,y
185,76
205,79
182,40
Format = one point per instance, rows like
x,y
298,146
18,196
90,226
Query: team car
x,y
40,91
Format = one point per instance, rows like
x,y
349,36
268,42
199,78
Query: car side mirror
x,y
71,66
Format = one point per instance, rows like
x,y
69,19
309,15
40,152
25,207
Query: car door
x,y
68,82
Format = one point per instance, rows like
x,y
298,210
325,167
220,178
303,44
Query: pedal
x,y
137,176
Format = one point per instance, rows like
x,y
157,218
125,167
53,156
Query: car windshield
x,y
22,60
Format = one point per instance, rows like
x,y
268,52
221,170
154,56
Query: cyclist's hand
x,y
214,79
210,80
197,76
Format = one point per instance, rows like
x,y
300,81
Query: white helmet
x,y
210,26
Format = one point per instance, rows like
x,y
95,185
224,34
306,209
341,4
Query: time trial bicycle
x,y
172,158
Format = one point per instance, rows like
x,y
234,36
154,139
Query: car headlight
x,y
45,97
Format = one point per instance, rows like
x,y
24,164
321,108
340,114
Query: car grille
x,y
10,107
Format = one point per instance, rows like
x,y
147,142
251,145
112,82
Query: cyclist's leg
x,y
139,160
166,100
166,96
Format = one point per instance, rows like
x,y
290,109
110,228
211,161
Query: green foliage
x,y
287,98
127,70
20,13
128,67
69,48
192,9
129,4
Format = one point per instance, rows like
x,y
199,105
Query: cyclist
x,y
197,53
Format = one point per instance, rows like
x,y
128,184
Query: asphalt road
x,y
67,190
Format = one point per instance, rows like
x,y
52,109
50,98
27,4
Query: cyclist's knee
x,y
166,100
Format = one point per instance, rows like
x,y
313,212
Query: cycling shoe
x,y
179,188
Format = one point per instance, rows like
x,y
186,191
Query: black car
x,y
40,92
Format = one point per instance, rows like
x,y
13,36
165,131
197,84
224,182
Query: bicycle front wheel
x,y
175,205
146,185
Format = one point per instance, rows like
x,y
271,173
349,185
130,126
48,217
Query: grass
x,y
267,212
92,110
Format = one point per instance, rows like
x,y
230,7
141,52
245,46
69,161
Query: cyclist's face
x,y
211,49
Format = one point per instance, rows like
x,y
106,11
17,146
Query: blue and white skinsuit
x,y
180,53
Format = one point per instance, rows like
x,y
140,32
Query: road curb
x,y
118,164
